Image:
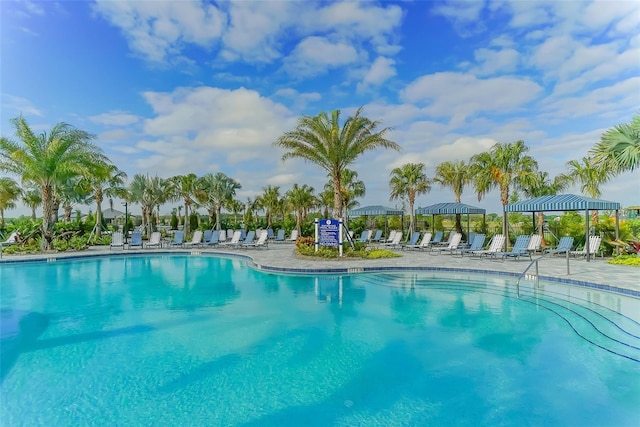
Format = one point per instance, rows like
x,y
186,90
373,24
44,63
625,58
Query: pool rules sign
x,y
329,233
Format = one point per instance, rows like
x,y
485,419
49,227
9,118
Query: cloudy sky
x,y
177,87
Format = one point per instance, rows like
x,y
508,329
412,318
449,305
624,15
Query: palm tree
x,y
542,185
590,175
216,191
186,186
505,166
270,201
10,192
301,199
455,175
104,180
235,206
70,192
148,192
43,159
32,199
620,147
320,140
409,180
325,199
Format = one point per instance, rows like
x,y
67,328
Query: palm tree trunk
x,y
459,223
1,217
337,196
541,227
33,213
299,222
594,217
218,210
186,215
47,213
98,200
67,212
412,218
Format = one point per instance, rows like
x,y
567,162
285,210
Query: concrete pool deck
x,y
282,257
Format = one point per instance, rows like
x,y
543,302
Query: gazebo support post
x,y
617,224
586,243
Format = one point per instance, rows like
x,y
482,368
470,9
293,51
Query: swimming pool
x,y
199,340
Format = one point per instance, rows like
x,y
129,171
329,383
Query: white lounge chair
x,y
155,241
11,240
594,246
262,241
535,243
235,240
454,242
424,243
196,240
497,242
294,236
117,240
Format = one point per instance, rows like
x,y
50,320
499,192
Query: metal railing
x,y
537,274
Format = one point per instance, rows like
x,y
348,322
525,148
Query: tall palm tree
x,y
620,147
186,186
505,166
10,192
270,201
455,175
301,199
409,180
542,185
33,200
216,191
105,179
321,140
43,159
590,175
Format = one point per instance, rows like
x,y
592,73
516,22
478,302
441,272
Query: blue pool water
x,y
206,341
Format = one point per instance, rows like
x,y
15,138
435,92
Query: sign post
x,y
328,233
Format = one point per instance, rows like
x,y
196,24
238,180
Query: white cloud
x,y
196,127
19,105
459,96
492,61
114,135
115,118
315,55
157,30
381,70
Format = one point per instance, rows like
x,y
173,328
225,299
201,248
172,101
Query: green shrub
x,y
630,260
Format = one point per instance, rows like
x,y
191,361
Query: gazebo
x,y
452,208
567,202
377,210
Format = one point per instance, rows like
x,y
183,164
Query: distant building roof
x,y
112,213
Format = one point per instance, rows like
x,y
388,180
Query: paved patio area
x,y
281,257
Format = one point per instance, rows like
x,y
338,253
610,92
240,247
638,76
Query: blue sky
x,y
178,87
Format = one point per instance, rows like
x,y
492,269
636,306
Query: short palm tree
x,y
33,200
590,175
455,175
45,158
409,180
321,140
301,199
620,147
149,192
270,201
505,166
542,185
186,187
10,193
216,191
105,179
